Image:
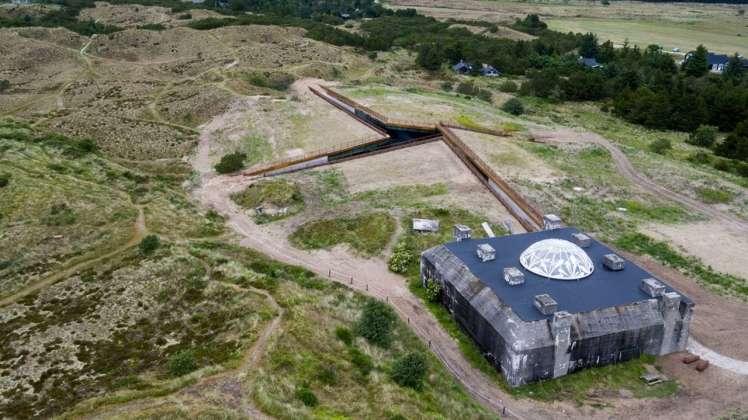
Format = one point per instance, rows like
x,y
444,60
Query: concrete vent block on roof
x,y
485,252
513,276
613,262
653,288
551,221
461,232
546,304
582,240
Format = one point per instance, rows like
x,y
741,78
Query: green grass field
x,y
718,35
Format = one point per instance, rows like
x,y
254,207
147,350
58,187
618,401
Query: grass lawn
x,y
367,234
277,193
718,34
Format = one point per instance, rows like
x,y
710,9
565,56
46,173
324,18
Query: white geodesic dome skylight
x,y
557,259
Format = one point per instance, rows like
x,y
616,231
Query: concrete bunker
x,y
543,328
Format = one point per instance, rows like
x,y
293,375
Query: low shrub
x,y
361,360
152,27
149,244
4,180
182,363
714,196
447,86
231,162
376,323
704,136
660,146
513,106
345,335
328,375
508,87
409,370
433,291
306,396
402,257
700,157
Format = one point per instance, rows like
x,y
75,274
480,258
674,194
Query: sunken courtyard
x,y
544,304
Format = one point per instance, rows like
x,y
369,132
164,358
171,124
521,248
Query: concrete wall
x,y
527,352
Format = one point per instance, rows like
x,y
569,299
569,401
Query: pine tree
x,y
696,63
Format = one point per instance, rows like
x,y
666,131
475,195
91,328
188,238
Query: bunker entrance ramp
x,y
396,134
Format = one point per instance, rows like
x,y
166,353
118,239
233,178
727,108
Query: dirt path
x,y
370,277
224,389
624,166
139,232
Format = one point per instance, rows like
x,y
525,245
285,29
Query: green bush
x,y
185,16
485,95
344,334
152,27
60,214
279,81
714,196
231,162
376,323
433,291
704,136
513,106
306,396
4,180
409,370
742,169
402,256
328,375
182,363
508,86
722,165
660,146
4,85
700,157
447,86
361,360
149,244
467,88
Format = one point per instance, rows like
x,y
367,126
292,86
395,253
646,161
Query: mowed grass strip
x,y
367,234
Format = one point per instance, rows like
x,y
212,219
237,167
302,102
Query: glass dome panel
x,y
557,259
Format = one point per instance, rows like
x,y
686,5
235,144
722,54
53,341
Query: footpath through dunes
x,y
624,166
372,278
223,389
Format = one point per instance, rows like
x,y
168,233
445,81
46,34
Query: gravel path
x,y
737,366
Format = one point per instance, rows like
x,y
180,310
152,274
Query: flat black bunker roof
x,y
602,289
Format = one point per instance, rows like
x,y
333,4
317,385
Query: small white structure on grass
x,y
425,225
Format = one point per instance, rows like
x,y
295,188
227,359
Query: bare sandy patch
x,y
716,244
426,164
508,159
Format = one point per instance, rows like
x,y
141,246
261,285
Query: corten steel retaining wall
x,y
406,133
530,218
